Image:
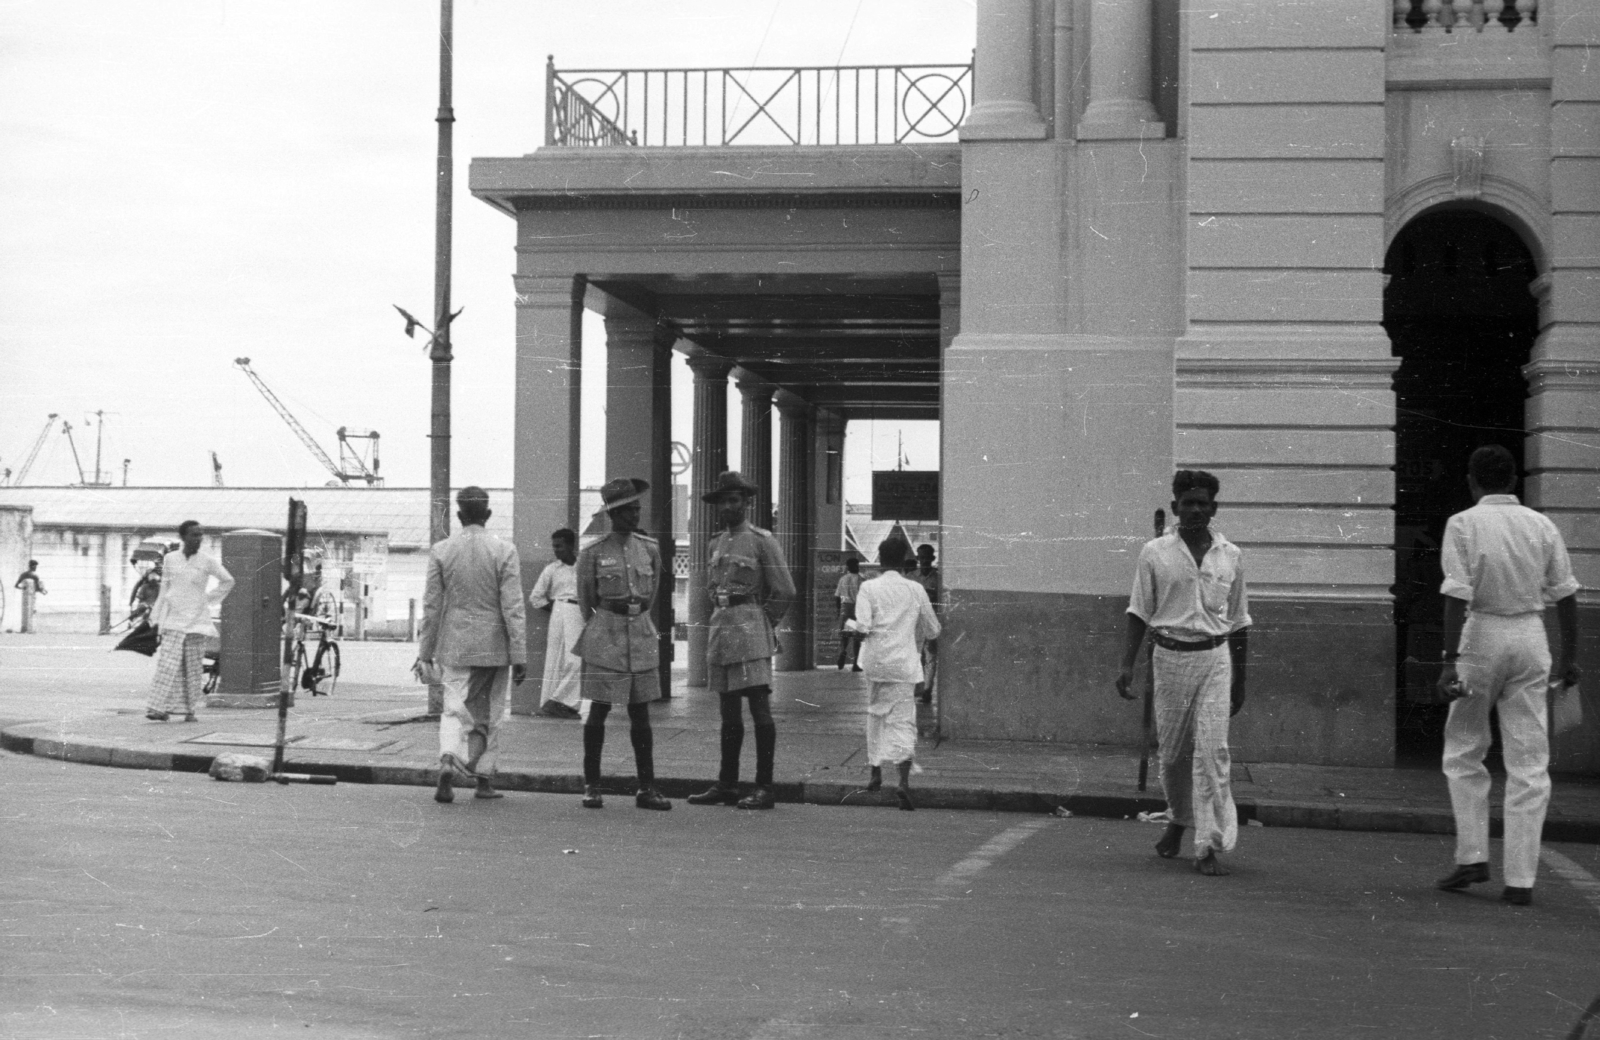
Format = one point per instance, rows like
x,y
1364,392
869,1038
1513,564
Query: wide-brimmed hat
x,y
732,480
623,490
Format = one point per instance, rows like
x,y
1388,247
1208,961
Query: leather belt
x,y
625,607
733,600
1168,643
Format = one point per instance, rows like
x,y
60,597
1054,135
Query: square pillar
x,y
710,455
549,371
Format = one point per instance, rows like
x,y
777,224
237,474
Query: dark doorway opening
x,y
1462,321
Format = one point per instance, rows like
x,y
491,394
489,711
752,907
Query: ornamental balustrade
x,y
803,105
1465,15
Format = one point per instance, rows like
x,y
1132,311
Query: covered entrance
x,y
1462,321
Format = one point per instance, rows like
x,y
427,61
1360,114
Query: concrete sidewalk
x,y
371,733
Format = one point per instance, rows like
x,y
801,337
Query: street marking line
x,y
1574,875
967,870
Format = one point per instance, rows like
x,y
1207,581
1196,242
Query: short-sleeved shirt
x,y
623,574
746,562
849,585
187,595
1504,558
1187,602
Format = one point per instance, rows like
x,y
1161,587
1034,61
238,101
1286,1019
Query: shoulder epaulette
x,y
645,538
762,530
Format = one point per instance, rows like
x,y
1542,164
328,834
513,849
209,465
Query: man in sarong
x,y
750,590
1503,563
619,578
1189,594
556,593
474,629
893,619
183,615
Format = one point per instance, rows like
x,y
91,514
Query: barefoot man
x,y
1189,594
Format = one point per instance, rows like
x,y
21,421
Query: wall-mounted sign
x,y
909,494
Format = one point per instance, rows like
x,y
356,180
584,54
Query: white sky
x,y
183,182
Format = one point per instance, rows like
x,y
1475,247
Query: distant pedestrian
x,y
927,575
619,578
474,630
145,592
1189,594
750,590
844,597
894,618
1503,563
28,581
183,615
556,593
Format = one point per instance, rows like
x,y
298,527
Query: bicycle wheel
x,y
330,668
298,679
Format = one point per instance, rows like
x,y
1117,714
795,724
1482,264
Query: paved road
x,y
142,904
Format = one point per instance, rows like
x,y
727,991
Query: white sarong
x,y
891,723
1192,702
563,670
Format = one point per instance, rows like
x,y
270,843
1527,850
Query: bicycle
x,y
317,673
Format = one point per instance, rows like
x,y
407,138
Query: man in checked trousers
x,y
183,615
1189,595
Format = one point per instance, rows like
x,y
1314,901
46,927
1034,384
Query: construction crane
x,y
216,471
33,453
357,468
83,478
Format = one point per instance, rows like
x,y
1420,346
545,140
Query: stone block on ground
x,y
231,765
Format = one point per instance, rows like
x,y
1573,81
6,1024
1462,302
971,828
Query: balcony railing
x,y
1465,15
809,105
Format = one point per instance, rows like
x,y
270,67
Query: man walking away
x,y
183,614
473,628
1189,594
618,580
894,619
28,581
556,593
750,591
844,596
927,575
1503,563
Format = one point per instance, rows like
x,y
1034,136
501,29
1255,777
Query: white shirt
x,y
557,583
849,585
1504,558
184,604
894,615
1186,602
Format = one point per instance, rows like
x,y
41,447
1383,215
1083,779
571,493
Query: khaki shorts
x,y
726,678
603,684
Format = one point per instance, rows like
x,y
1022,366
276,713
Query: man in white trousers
x,y
473,628
556,593
893,619
1502,563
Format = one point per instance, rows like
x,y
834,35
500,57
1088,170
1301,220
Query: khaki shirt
x,y
746,561
619,572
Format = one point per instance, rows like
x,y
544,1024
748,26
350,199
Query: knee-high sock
x,y
732,738
766,733
594,741
644,742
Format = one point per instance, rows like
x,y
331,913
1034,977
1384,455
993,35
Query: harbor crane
x,y
33,453
351,466
99,440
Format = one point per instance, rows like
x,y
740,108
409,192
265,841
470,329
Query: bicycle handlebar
x,y
311,619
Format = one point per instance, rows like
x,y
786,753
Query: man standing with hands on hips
x,y
750,591
1189,594
1502,563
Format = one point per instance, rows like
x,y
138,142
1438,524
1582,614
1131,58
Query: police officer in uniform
x,y
750,590
618,580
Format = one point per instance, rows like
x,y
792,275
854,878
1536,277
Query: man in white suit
x,y
473,629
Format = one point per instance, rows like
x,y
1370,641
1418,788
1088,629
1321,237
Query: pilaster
x,y
1119,74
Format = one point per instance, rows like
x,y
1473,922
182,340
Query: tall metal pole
x,y
439,468
439,484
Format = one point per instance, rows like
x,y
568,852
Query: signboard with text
x,y
827,565
910,494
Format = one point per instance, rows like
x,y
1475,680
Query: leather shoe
x,y
444,794
760,798
716,794
1464,875
591,797
650,798
1517,896
903,796
486,789
156,716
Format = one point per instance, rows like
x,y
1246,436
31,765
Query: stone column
x,y
1005,106
659,517
710,457
755,445
1119,74
794,523
549,369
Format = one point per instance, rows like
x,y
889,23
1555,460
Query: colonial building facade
x,y
1322,250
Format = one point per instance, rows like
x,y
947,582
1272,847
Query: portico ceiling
x,y
860,346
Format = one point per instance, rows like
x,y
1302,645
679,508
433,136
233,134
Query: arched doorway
x,y
1462,322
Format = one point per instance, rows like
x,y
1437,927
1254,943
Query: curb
x,y
1355,816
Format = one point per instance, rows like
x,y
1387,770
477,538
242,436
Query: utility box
x,y
252,622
